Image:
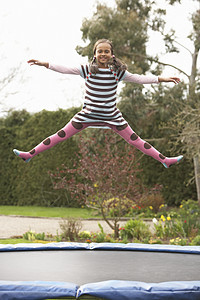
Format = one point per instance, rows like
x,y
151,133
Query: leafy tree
x,y
127,26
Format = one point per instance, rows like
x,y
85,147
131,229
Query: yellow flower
x,y
161,206
86,232
163,218
168,218
151,207
95,185
181,206
172,241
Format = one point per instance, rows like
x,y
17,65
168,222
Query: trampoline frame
x,y
111,289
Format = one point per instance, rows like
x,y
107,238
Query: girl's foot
x,y
24,155
169,161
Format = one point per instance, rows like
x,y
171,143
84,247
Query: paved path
x,y
11,226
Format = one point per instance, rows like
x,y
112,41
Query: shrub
x,y
196,241
168,228
178,241
152,199
135,229
117,207
190,217
100,237
84,235
31,236
70,229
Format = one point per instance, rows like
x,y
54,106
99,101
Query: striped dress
x,y
100,93
100,97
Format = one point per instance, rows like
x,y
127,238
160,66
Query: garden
x,y
93,187
149,225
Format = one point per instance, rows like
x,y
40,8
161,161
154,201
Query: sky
x,y
49,30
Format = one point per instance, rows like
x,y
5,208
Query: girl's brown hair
x,y
116,64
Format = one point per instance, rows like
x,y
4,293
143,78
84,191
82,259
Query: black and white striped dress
x,y
100,97
100,94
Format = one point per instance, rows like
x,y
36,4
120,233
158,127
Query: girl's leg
x,y
132,138
66,132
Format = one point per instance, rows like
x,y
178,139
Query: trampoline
x,y
99,271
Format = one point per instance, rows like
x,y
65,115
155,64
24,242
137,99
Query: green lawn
x,y
59,212
14,241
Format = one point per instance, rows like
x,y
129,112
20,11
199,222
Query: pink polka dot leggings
x,y
124,131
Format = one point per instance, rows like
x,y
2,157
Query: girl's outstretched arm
x,y
148,79
57,68
169,79
38,63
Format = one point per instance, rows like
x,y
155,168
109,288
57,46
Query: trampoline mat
x,y
83,267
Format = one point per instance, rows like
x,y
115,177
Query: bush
x,y
84,235
190,217
196,241
178,241
99,237
70,229
31,236
152,199
135,229
29,184
117,207
168,228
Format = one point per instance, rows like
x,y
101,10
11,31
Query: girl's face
x,y
103,54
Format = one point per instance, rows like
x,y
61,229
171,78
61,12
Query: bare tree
x,y
5,83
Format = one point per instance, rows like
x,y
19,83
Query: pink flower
x,y
185,221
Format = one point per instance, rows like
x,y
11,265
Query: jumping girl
x,y
99,110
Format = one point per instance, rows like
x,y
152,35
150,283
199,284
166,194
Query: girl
x,y
99,109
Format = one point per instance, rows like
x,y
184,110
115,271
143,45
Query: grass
x,y
14,241
48,212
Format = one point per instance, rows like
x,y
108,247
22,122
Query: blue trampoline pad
x,y
104,271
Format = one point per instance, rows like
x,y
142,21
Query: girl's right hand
x,y
38,63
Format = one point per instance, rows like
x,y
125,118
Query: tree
x,y
106,177
127,26
5,82
186,120
195,37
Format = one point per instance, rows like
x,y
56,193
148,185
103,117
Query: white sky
x,y
49,30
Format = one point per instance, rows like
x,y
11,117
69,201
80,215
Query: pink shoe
x,y
20,154
170,161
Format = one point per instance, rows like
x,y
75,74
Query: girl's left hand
x,y
169,79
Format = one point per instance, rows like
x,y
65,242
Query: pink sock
x,y
69,130
133,139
